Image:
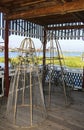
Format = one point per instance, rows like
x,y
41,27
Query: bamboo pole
x,y
31,96
62,72
23,85
16,94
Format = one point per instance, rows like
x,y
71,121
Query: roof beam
x,y
4,10
65,27
67,7
61,1
79,17
64,1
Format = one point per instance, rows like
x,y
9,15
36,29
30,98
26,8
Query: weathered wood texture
x,y
44,12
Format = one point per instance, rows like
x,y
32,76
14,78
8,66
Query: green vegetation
x,y
1,59
74,62
14,61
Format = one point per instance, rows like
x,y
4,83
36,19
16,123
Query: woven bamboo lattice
x,y
25,105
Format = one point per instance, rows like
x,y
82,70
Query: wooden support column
x,y
44,47
44,58
6,71
83,80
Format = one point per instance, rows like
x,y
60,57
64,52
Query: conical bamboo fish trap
x,y
56,78
25,105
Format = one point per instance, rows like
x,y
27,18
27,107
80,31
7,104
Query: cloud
x,y
66,45
1,40
69,45
15,41
72,45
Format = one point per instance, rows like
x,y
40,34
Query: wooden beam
x,y
78,16
67,7
31,2
64,1
4,10
61,1
6,74
65,27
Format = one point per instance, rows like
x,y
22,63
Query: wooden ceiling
x,y
44,12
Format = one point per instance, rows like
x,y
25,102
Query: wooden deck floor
x,y
59,116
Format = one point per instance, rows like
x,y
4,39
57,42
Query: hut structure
x,y
65,18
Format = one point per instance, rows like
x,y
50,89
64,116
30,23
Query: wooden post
x,y
83,80
44,47
44,57
6,71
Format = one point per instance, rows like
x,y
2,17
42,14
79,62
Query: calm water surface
x,y
15,54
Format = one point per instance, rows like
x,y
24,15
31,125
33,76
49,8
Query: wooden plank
x,y
4,10
6,74
68,7
65,27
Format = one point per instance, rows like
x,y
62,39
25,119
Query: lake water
x,y
15,54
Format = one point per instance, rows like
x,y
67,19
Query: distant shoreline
x,y
13,54
39,50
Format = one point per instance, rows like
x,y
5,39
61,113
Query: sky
x,y
72,45
66,45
